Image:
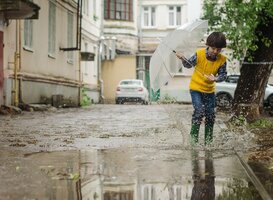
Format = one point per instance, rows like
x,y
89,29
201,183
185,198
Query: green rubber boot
x,y
208,134
194,133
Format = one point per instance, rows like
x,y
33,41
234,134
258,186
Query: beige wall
x,y
36,60
42,74
123,67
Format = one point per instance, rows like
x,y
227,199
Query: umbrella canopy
x,y
164,63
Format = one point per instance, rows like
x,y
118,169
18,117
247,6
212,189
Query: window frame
x,y
118,10
28,34
52,28
70,36
176,21
85,7
151,16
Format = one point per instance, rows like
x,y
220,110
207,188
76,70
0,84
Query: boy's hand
x,y
210,77
179,55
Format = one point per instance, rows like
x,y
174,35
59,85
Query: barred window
x,y
118,10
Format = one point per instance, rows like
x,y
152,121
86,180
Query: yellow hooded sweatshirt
x,y
205,67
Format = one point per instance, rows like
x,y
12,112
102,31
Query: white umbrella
x,y
164,63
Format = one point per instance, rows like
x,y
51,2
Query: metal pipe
x,y
20,63
16,64
79,40
80,81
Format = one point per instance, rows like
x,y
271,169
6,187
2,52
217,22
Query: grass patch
x,y
262,123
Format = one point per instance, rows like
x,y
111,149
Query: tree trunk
x,y
249,94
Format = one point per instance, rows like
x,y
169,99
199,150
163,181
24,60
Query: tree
x,y
248,25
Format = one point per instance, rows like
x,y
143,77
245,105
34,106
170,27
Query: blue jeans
x,y
204,105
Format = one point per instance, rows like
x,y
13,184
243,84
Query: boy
x,y
210,67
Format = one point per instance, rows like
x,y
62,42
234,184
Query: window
x,y
118,10
52,28
86,63
175,15
148,192
95,68
70,36
85,7
95,7
28,33
148,16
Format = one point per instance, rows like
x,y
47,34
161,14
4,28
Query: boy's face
x,y
214,51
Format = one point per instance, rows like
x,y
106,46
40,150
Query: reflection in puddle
x,y
130,174
203,182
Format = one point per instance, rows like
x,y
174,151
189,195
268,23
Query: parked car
x,y
131,90
225,92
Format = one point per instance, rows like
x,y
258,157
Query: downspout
x,y
16,64
78,46
100,81
79,30
20,94
80,81
79,26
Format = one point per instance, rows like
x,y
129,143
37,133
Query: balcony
x,y
19,9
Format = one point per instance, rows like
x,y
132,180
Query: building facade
x,y
156,20
52,59
12,10
90,45
119,44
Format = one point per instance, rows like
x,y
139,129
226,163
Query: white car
x,y
225,92
131,90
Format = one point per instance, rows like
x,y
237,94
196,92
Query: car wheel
x,y
223,100
270,101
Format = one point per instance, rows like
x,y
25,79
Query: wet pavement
x,y
133,173
120,152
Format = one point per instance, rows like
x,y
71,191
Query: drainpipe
x,y
16,66
80,81
79,42
78,46
101,39
20,96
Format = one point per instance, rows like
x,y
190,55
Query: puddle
x,y
124,174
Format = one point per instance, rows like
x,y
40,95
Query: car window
x,y
130,83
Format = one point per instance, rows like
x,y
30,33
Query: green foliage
x,y
239,20
262,123
85,100
95,17
238,121
74,176
168,99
